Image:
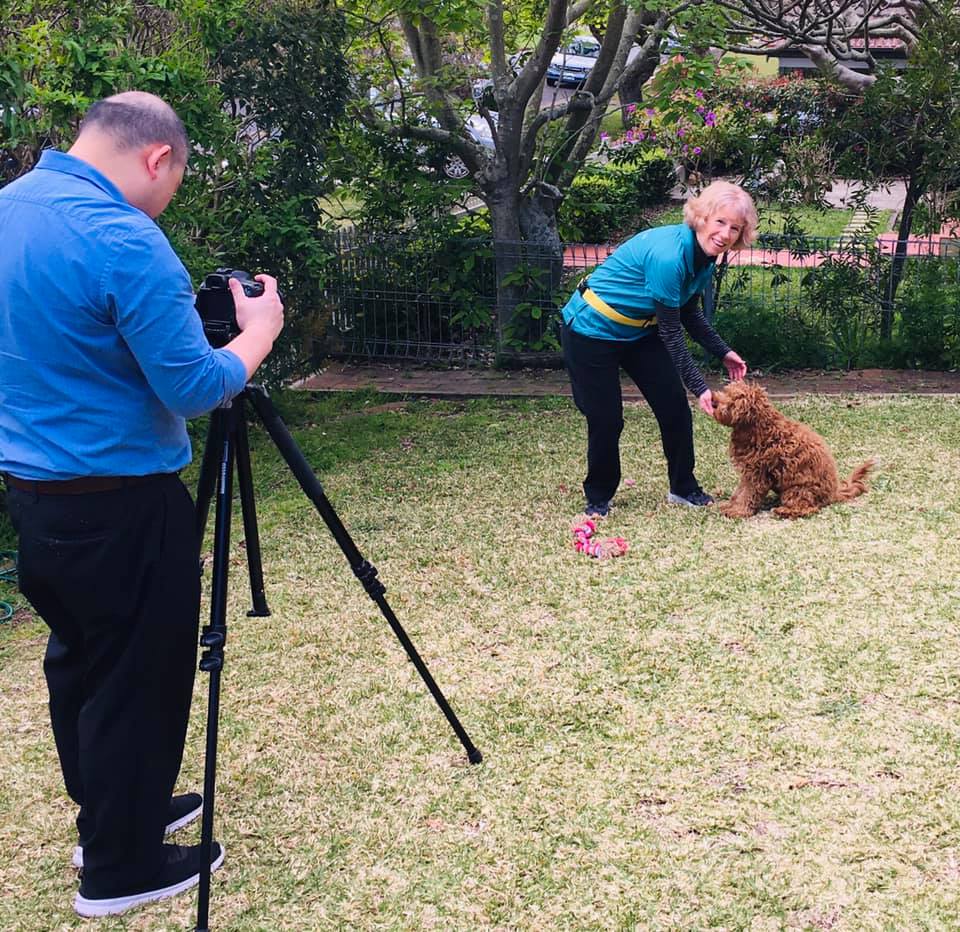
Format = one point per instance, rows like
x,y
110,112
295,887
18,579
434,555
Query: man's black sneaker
x,y
182,811
597,509
180,872
695,499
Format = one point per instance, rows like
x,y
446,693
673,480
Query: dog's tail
x,y
856,484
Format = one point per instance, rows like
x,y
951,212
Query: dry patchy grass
x,y
736,726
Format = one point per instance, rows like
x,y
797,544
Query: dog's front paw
x,y
732,510
791,512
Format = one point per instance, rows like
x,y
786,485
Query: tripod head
x,y
215,304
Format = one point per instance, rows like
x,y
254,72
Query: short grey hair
x,y
137,119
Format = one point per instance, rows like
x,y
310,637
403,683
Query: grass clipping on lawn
x,y
738,725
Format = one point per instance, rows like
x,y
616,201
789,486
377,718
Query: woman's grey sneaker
x,y
597,509
182,811
696,499
180,872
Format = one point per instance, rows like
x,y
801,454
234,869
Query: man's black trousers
x,y
115,575
594,367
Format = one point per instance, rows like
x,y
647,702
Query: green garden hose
x,y
8,573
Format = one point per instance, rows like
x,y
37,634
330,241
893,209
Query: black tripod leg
x,y
249,510
364,571
208,470
213,638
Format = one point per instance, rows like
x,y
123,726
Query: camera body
x,y
215,304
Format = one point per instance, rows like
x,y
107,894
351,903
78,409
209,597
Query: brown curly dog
x,y
774,454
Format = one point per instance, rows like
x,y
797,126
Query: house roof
x,y
880,42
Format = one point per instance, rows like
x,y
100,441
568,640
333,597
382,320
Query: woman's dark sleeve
x,y
671,322
671,334
691,315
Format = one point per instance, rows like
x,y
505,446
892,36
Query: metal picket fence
x,y
427,300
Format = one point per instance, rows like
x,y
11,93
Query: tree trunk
x,y
914,193
528,261
505,225
631,86
538,226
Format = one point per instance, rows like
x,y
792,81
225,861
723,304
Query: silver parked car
x,y
572,63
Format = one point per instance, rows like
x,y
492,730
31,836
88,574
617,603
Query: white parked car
x,y
572,63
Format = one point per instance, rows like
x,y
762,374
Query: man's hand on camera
x,y
260,320
265,310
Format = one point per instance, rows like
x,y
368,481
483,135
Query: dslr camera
x,y
215,304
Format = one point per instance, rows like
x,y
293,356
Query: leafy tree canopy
x,y
259,87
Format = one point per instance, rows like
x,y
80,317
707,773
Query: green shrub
x,y
845,297
926,331
603,200
238,74
770,337
829,317
392,290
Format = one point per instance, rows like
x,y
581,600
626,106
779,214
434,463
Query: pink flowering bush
x,y
692,116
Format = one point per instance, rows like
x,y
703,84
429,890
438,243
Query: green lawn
x,y
735,726
340,208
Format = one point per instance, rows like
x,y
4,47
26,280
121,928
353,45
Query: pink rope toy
x,y
602,548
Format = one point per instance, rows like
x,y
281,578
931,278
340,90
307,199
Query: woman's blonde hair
x,y
698,210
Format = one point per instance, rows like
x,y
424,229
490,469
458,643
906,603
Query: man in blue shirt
x,y
102,357
632,314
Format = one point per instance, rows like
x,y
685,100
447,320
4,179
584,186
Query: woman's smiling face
x,y
720,231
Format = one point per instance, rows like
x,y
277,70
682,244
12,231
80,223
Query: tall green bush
x,y
771,337
926,332
845,296
258,87
829,316
603,200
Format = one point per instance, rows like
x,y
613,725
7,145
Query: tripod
x,y
228,447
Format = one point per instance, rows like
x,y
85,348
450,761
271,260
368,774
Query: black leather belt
x,y
82,486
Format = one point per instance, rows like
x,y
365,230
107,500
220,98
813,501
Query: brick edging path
x,y
532,383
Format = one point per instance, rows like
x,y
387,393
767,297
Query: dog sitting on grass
x,y
774,454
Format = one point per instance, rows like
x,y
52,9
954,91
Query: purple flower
x,y
604,137
680,130
631,108
641,136
698,94
710,119
650,111
697,150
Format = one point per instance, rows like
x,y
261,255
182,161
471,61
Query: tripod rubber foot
x,y
474,756
258,613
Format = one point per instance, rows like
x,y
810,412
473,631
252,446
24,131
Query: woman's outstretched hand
x,y
706,401
736,368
